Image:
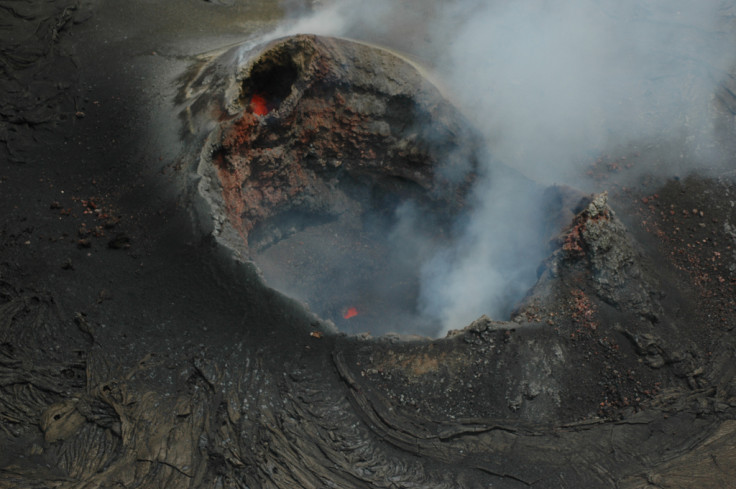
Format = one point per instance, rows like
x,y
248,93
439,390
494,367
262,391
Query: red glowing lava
x,y
351,312
258,104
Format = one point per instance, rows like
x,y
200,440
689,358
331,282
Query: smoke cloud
x,y
550,85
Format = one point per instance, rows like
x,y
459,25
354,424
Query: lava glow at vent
x,y
350,312
258,104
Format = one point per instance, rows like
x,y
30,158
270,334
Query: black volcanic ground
x,y
137,351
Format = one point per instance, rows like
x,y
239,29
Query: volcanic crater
x,y
324,146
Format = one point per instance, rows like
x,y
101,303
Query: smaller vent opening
x,y
269,83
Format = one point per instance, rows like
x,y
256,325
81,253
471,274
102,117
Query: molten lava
x,y
351,312
258,104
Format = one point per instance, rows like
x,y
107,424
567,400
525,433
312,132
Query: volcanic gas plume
x,y
350,178
551,89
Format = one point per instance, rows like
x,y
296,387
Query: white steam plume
x,y
550,85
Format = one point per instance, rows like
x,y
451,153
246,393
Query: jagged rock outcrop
x,y
597,240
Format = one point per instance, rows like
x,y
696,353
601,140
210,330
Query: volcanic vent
x,y
330,162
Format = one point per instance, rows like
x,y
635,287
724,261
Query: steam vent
x,y
322,142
